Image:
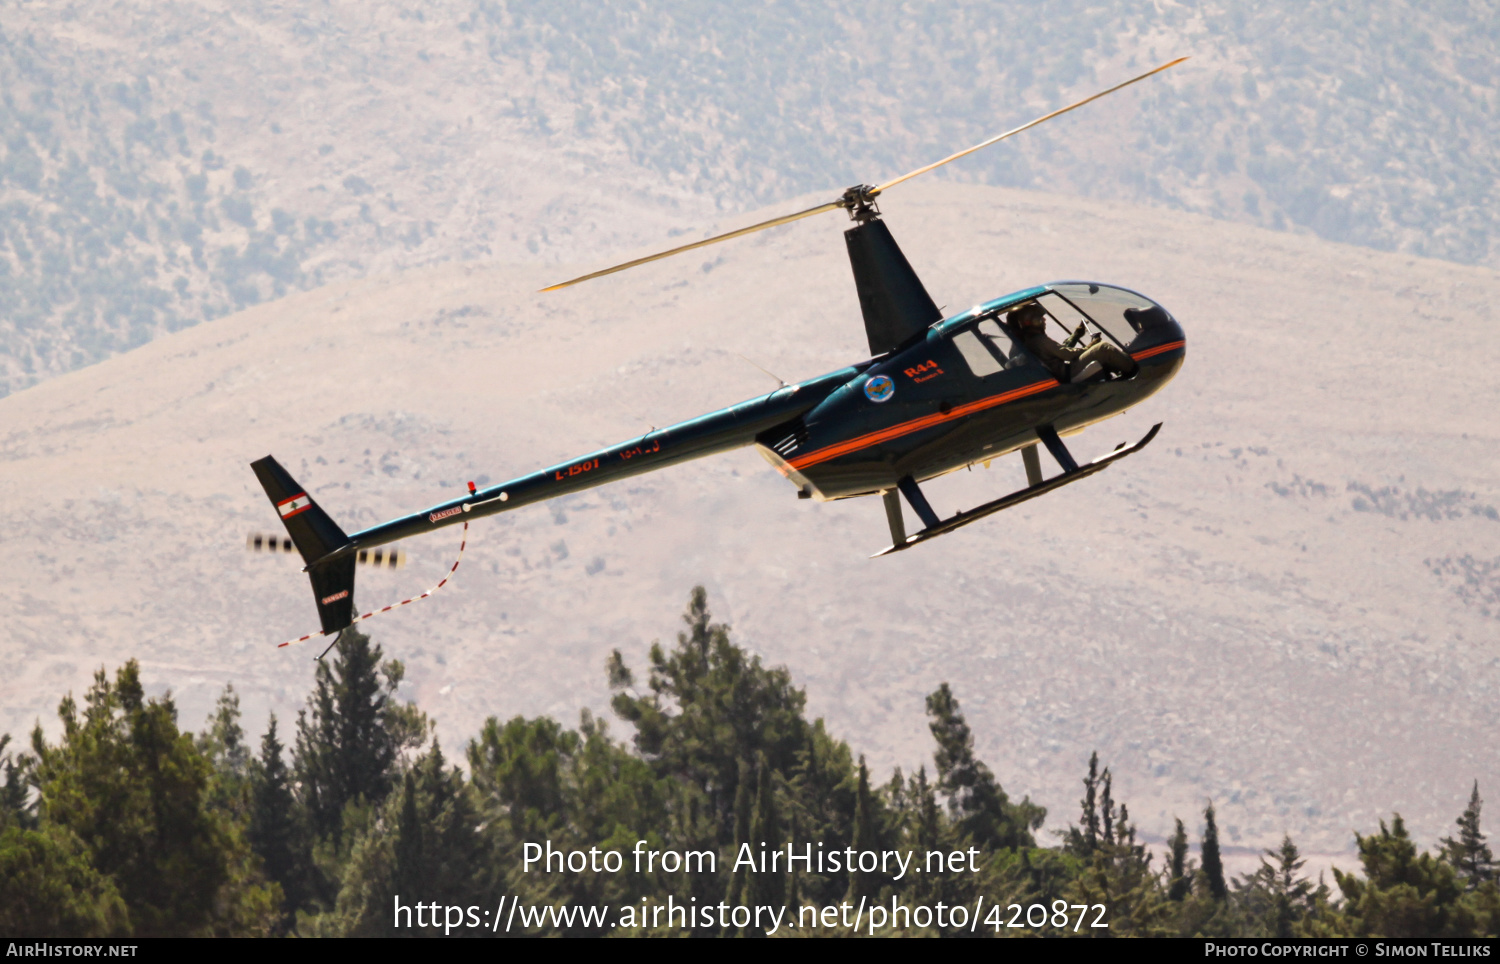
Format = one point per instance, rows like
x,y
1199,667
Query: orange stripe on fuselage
x,y
918,424
928,421
1158,350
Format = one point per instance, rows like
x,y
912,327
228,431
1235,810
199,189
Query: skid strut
x,y
1037,487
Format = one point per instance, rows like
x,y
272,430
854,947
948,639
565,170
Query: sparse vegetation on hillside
x,y
1368,124
123,214
1475,581
118,220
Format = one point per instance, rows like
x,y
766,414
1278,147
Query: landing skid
x,y
963,518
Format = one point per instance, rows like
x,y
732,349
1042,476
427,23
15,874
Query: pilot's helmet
x,y
1028,316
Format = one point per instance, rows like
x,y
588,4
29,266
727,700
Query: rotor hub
x,y
859,201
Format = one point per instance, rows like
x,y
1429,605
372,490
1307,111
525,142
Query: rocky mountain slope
x,y
1287,603
163,163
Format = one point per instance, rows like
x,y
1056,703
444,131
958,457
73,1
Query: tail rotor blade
x,y
260,542
380,558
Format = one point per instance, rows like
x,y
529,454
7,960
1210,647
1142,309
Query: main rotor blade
x,y
784,219
855,197
1016,130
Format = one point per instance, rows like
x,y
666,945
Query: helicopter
x,y
934,396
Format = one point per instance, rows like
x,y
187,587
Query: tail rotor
x,y
378,558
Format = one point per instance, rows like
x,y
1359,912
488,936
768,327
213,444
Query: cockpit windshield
x,y
1124,314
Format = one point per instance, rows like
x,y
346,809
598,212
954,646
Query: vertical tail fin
x,y
315,536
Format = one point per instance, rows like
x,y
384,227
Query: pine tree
x,y
1083,840
15,808
521,767
1179,874
409,868
821,787
1211,861
738,710
1403,893
975,799
691,829
705,706
438,852
863,885
793,874
533,780
1117,872
132,787
1277,894
1293,892
272,831
425,846
765,889
1106,807
927,834
349,738
223,744
48,886
928,830
742,806
1468,854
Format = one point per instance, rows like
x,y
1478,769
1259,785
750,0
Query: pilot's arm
x,y
1051,354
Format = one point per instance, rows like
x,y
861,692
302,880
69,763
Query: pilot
x,y
1030,323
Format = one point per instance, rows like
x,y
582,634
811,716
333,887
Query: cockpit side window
x,y
980,361
1006,348
988,348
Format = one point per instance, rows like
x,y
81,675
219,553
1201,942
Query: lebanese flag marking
x,y
297,503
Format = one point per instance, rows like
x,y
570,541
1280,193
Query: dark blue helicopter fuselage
x,y
835,439
941,416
